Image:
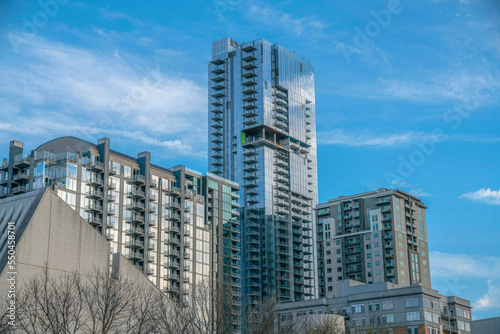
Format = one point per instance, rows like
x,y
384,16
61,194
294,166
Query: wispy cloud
x,y
145,41
368,138
490,299
449,265
485,195
97,92
486,268
169,52
298,25
419,192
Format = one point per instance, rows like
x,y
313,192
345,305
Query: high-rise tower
x,y
262,134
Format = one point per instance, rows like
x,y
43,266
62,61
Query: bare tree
x,y
264,317
5,327
323,324
48,304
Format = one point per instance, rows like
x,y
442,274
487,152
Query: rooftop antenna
x,y
366,189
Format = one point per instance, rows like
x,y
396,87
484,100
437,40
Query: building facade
x,y
374,237
262,134
177,226
486,326
387,308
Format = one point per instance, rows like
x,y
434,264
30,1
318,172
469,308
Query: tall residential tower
x,y
378,236
262,134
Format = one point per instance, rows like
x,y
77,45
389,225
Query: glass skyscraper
x,y
262,134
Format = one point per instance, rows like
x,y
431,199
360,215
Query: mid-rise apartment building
x,y
389,308
374,237
177,226
262,134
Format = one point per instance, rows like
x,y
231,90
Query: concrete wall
x,y
485,326
57,237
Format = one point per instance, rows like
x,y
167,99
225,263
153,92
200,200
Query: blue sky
x,y
407,96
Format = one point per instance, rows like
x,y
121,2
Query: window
x,y
374,307
412,330
368,255
377,263
461,325
389,318
387,305
411,302
368,237
412,316
358,308
376,244
377,253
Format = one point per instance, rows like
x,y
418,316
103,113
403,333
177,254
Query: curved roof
x,y
65,144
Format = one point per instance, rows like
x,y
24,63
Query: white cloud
x,y
485,195
169,52
448,268
366,138
490,299
299,25
145,41
449,265
95,92
419,192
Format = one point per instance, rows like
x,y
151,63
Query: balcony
x,y
4,166
134,244
21,177
172,216
95,181
172,265
135,193
136,218
173,191
95,221
96,166
20,189
173,241
92,207
135,206
137,179
134,256
137,231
